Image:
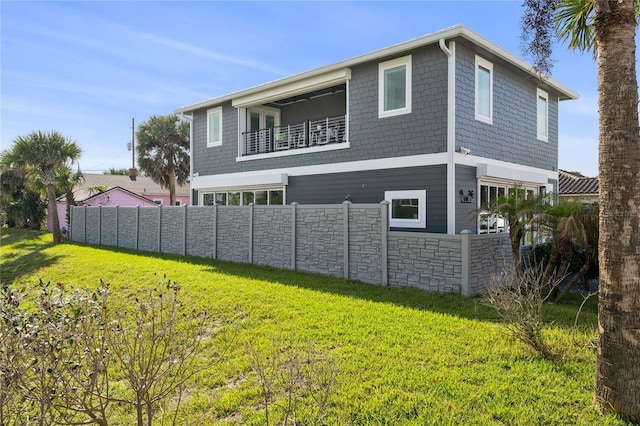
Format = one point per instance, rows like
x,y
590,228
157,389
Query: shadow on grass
x,y
26,255
445,303
449,304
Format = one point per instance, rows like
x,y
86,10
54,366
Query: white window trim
x,y
210,112
406,61
542,94
421,221
481,62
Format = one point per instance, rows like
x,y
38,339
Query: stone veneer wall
x,y
347,240
491,254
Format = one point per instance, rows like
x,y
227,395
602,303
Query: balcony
x,y
330,130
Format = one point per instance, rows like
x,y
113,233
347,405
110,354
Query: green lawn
x,y
403,356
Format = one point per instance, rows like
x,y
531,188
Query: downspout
x,y
451,133
190,120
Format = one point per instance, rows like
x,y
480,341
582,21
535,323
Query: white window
x,y
407,209
484,90
244,198
214,126
543,115
394,87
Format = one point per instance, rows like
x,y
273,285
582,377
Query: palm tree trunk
x,y
172,188
53,211
618,370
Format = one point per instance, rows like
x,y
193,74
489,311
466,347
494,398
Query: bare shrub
x,y
67,356
295,386
155,344
518,298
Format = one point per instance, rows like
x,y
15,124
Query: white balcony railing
x,y
329,130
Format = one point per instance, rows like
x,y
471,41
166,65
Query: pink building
x,y
118,190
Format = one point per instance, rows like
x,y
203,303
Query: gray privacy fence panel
x,y
320,239
127,227
108,224
172,226
431,262
346,240
490,254
148,226
93,226
366,232
233,233
272,230
200,232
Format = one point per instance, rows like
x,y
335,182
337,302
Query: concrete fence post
x,y
100,225
159,228
184,234
71,213
251,233
85,223
215,231
384,236
294,218
465,236
137,225
117,220
345,239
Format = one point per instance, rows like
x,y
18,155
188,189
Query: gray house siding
x,y
423,131
465,181
514,102
369,187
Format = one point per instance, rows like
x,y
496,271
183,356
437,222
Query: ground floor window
x,y
492,194
244,198
407,209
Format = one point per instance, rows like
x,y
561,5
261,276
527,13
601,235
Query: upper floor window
x,y
214,126
394,87
543,115
484,90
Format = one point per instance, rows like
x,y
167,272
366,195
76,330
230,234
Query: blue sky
x,y
86,68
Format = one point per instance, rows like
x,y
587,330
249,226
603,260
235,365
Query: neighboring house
x,y
118,190
575,187
436,126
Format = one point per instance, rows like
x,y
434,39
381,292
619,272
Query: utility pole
x,y
132,170
133,143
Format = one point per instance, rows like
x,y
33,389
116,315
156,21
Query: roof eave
x,y
458,30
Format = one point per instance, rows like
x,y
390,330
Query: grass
x,y
403,356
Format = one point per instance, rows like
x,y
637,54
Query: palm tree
x,y
42,154
517,210
163,151
608,28
573,228
66,181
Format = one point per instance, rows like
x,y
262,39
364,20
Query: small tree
x,y
163,151
518,298
42,154
21,206
155,342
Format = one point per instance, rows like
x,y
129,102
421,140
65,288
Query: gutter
x,y
451,132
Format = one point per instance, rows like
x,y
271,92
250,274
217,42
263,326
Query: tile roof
x,y
143,185
571,183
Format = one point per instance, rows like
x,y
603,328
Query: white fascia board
x,y
514,173
446,34
240,180
293,88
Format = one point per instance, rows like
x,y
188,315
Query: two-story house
x,y
438,126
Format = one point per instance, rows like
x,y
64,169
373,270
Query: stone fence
x,y
348,240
